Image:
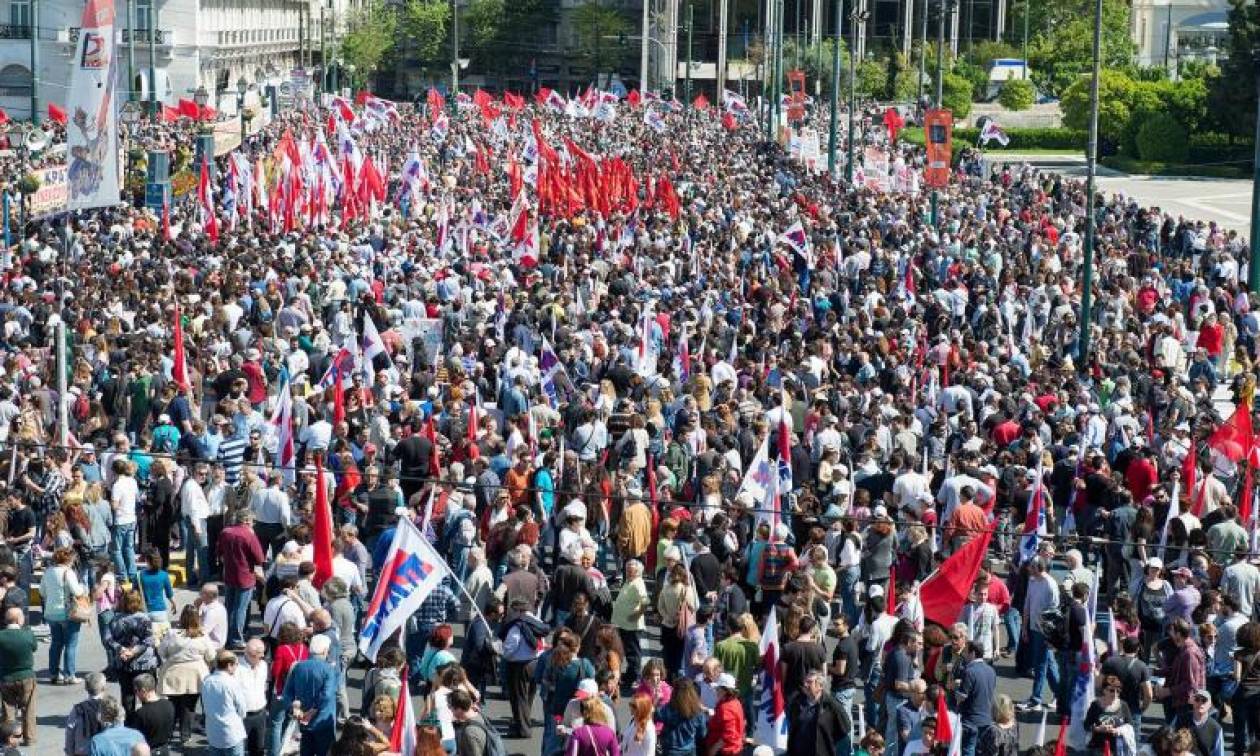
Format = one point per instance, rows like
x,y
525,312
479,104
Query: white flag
x,y
412,570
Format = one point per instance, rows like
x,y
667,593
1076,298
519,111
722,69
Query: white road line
x,y
1208,208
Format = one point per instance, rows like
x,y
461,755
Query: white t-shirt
x,y
280,610
123,496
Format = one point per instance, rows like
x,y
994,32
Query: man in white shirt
x,y
195,509
214,619
272,510
251,673
283,608
123,496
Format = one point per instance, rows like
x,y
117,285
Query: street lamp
x,y
1253,268
1091,169
858,17
201,97
242,87
835,89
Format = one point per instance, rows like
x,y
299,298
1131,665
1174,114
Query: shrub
x,y
1162,139
1021,139
1017,94
872,78
957,95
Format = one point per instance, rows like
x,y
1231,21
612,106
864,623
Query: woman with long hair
x,y
638,737
105,598
290,649
133,644
677,601
596,736
187,653
60,587
556,675
684,722
610,654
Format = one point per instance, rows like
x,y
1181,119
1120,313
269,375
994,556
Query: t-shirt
x,y
156,585
17,654
801,657
976,689
898,667
123,495
154,720
1133,673
846,649
21,521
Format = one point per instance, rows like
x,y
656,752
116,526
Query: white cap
x,y
727,680
875,591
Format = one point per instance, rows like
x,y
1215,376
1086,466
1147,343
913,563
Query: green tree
x,y
1116,93
370,37
872,78
1017,94
816,63
956,95
984,52
424,27
480,23
597,28
1162,139
1062,47
1233,95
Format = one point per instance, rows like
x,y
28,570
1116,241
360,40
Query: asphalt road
x,y
54,703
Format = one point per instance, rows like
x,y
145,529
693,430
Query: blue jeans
x,y
236,750
102,625
1010,621
277,716
237,600
1043,664
196,554
64,644
125,552
970,736
848,596
892,738
844,746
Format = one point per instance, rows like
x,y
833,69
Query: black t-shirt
x,y
154,720
846,649
413,455
801,657
21,521
1078,620
1132,672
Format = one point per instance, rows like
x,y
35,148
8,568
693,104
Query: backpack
x,y
81,408
1054,623
494,741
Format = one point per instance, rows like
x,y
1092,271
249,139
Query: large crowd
x,y
572,415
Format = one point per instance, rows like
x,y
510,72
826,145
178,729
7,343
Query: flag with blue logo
x,y
411,571
550,367
1083,684
1035,522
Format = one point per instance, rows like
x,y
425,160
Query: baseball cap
x,y
727,680
1202,693
586,689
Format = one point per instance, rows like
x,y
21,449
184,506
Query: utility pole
x,y
643,46
34,62
853,63
455,51
940,52
323,50
1025,47
1253,268
918,104
154,111
835,90
778,67
131,50
691,23
301,38
723,22
1091,169
796,46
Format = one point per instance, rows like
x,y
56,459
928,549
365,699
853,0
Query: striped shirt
x,y
232,457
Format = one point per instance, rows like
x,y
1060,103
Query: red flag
x,y
541,96
945,591
728,121
430,432
513,100
4,117
944,730
911,287
166,219
339,399
892,588
1235,435
1106,746
701,102
402,736
1190,469
436,102
57,114
323,531
654,500
1060,748
169,114
179,371
360,98
187,109
634,98
1244,496
209,221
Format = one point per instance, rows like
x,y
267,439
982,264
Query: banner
x,y
938,131
92,131
428,330
53,194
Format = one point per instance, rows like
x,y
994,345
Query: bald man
x,y
251,673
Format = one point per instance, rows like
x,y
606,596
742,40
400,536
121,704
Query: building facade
x,y
1171,32
169,47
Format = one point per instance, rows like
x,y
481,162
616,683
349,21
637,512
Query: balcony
x,y
161,37
11,31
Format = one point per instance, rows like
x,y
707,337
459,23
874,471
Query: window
x,y
15,81
20,14
144,16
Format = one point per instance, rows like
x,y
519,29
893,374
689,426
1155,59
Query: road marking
x,y
1207,208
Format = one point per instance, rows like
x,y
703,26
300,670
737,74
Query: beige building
x,y
1169,32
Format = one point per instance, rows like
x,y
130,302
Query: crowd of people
x,y
579,430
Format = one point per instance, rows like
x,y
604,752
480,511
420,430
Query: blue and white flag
x,y
412,570
654,120
1035,522
551,368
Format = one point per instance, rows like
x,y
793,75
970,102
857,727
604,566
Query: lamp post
x,y
1027,3
1091,169
34,62
154,111
858,17
691,7
918,102
835,90
1253,268
242,87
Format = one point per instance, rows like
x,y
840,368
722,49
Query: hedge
x,y
1129,165
1021,139
1161,139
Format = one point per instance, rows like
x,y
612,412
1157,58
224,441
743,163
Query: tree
x,y
1162,139
424,28
1115,97
370,37
985,51
816,63
1017,94
597,29
872,79
1062,45
480,23
1233,95
956,95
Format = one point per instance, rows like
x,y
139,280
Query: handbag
x,y
78,608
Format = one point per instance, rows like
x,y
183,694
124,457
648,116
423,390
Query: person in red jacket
x,y
725,736
1211,337
1140,476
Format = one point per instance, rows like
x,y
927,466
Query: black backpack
x,y
1054,622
